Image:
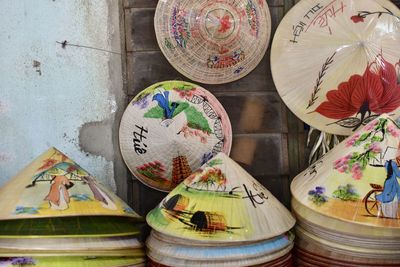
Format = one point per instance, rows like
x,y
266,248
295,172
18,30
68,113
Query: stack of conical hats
x,y
347,202
54,213
220,216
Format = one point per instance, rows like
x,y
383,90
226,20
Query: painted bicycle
x,y
370,201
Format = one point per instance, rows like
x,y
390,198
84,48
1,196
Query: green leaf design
x,y
364,162
184,87
168,44
364,137
346,193
196,120
156,113
215,162
181,106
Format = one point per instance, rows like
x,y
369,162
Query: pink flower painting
x,y
371,140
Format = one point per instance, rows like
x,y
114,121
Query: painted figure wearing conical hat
x,y
58,196
356,183
54,185
388,198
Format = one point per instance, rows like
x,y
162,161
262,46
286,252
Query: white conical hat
x,y
277,259
336,63
346,247
161,244
213,42
169,130
272,252
345,190
221,202
54,186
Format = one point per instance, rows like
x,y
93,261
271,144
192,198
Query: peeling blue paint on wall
x,y
47,92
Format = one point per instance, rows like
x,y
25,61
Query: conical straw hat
x,y
213,42
227,262
54,186
349,189
348,248
357,240
157,243
336,63
284,261
95,246
317,252
220,203
169,130
69,261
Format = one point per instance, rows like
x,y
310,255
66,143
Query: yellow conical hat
x,y
221,202
350,188
54,186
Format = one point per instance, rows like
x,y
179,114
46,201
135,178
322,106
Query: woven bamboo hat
x,y
76,261
213,42
55,191
336,63
283,261
221,203
169,130
224,259
162,245
354,189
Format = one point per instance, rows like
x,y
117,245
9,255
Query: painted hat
x,y
284,261
77,246
213,42
222,256
312,249
159,245
220,203
169,130
354,188
336,64
61,199
76,261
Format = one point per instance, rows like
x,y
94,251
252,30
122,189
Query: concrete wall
x,y
67,97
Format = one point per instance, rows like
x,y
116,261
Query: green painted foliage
x,y
196,120
184,87
214,162
156,113
346,193
181,107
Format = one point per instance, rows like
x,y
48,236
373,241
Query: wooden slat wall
x,y
272,149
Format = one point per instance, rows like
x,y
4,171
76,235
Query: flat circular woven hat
x,y
169,130
213,42
336,64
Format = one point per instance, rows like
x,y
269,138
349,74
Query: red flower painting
x,y
357,18
225,23
377,91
